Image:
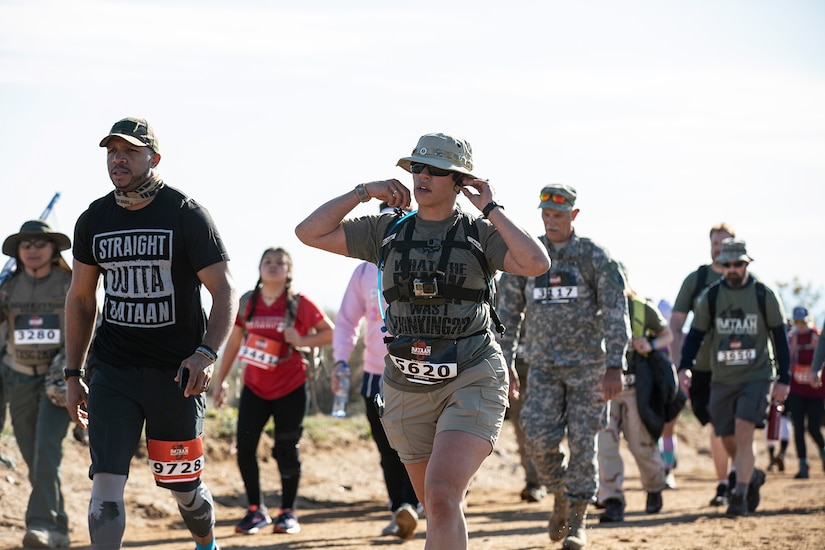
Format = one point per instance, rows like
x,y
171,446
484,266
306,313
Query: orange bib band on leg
x,y
176,461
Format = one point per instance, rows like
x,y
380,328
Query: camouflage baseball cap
x,y
558,196
441,151
733,250
136,131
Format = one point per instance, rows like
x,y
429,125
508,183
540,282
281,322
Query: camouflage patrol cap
x,y
136,131
558,196
733,250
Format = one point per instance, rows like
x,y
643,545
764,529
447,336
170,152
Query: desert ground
x,y
343,503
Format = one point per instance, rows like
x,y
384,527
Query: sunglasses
x,y
553,197
735,265
39,243
417,168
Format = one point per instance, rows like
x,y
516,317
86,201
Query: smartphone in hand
x,y
183,378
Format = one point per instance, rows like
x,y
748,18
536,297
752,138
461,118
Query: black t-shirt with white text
x,y
149,259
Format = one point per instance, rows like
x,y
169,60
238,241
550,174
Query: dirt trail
x,y
343,501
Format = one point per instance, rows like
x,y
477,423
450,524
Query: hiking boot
x,y
721,498
255,518
406,519
576,538
287,522
613,511
757,480
45,538
557,527
802,473
654,503
533,493
780,461
737,505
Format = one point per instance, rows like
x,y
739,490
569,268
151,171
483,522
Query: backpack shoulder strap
x,y
760,301
713,293
701,279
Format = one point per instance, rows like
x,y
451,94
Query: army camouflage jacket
x,y
575,313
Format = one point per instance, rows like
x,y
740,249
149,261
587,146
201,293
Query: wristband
x,y
69,373
489,208
207,352
361,191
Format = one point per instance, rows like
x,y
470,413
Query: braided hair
x,y
253,299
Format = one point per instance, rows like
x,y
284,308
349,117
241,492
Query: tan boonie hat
x,y
441,151
558,196
733,251
136,131
34,230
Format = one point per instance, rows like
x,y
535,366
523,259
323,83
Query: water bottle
x,y
774,420
340,389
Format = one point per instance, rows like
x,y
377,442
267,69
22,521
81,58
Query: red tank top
x,y
802,354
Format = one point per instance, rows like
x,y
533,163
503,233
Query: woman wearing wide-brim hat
x,y
32,304
445,381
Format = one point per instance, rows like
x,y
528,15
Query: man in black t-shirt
x,y
152,355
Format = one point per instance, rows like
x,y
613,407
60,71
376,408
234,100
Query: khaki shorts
x,y
474,402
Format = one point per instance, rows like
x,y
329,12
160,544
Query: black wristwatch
x,y
68,373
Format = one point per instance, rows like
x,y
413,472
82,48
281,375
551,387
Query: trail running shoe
x,y
287,522
757,480
390,529
533,493
45,538
737,505
721,498
670,480
254,519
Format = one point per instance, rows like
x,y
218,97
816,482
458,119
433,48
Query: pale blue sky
x,y
667,116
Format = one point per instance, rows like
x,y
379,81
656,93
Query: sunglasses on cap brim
x,y
552,197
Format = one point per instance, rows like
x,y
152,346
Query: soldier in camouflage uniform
x,y
574,312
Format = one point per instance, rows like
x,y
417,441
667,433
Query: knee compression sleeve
x,y
107,514
286,454
196,509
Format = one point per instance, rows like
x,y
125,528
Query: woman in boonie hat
x,y
32,305
445,381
